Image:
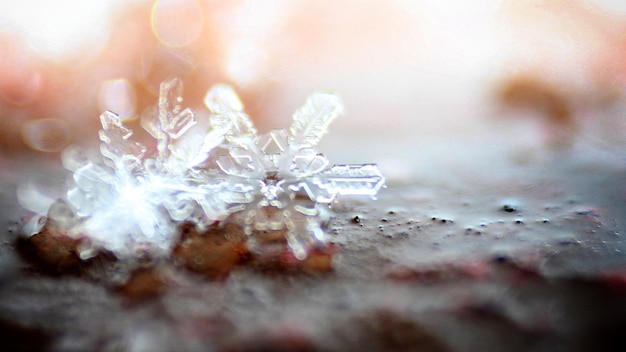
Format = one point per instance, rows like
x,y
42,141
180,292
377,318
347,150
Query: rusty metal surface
x,y
532,260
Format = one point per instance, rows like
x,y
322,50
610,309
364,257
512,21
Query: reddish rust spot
x,y
223,246
144,283
319,260
214,252
615,281
473,270
280,259
270,236
553,102
529,91
52,252
405,273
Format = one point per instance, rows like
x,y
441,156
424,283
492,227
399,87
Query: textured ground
x,y
520,257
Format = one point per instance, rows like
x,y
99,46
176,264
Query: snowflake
x,y
126,198
205,170
288,178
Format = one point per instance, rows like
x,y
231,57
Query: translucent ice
x,y
206,169
128,199
288,178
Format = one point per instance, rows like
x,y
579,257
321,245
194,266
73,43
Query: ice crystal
x,y
283,180
203,170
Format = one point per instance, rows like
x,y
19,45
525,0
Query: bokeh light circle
x,y
177,23
46,135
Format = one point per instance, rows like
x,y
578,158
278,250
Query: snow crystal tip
x,y
221,99
311,121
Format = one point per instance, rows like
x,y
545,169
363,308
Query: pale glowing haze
x,y
59,28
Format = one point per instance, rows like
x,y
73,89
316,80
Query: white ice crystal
x,y
282,178
203,171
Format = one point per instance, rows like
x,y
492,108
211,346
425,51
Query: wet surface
x,y
521,257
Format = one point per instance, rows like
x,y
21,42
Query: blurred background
x,y
459,84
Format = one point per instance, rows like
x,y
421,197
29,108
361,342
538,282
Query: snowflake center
x,y
272,186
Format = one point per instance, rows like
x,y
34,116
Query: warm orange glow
x,y
249,39
177,22
118,95
46,135
59,28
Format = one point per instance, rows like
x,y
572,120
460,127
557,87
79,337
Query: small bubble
x,y
519,222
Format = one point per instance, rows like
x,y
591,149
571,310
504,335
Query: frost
x,y
207,169
290,181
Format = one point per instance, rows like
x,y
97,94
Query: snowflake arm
x,y
228,119
311,121
116,143
289,178
171,121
